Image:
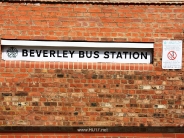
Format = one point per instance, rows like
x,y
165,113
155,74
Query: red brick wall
x,y
91,94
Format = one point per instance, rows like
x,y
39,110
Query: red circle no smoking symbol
x,y
172,55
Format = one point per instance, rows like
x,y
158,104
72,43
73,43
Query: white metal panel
x,y
75,44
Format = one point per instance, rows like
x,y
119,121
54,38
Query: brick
x,y
21,94
21,75
106,105
169,135
179,135
50,103
19,103
157,87
2,118
157,115
159,106
60,75
22,122
158,92
174,78
7,75
181,88
106,113
145,87
6,94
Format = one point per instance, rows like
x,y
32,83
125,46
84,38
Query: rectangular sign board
x,y
21,50
172,54
77,54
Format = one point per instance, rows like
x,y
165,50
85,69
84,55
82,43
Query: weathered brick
x,y
174,78
159,106
157,115
142,115
106,105
6,94
170,101
20,103
14,98
181,116
21,94
2,118
145,87
106,113
22,122
129,77
50,103
35,104
75,113
35,99
181,88
60,75
119,105
94,104
148,77
132,101
7,108
157,87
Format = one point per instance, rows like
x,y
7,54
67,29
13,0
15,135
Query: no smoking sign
x,y
172,54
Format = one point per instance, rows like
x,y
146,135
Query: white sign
x,y
172,54
76,51
123,55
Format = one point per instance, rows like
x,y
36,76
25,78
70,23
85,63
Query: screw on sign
x,y
172,55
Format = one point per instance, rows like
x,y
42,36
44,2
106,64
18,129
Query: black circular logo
x,y
12,52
